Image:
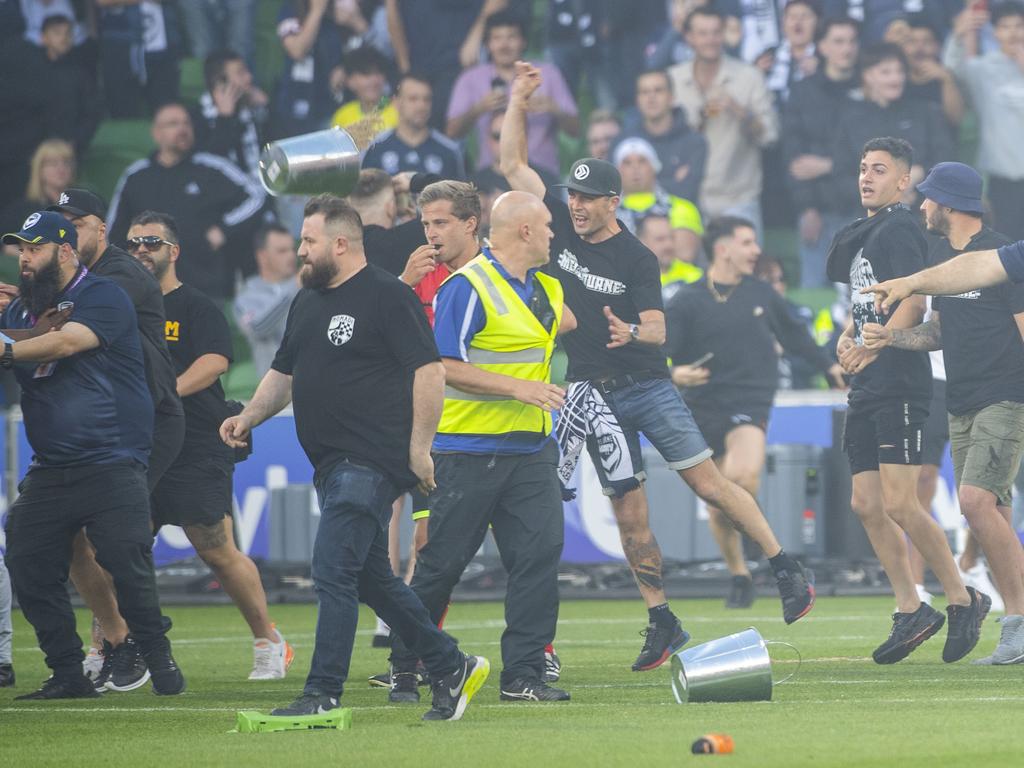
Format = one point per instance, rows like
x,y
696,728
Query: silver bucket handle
x,y
799,660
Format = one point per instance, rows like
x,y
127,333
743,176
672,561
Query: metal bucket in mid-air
x,y
324,161
731,668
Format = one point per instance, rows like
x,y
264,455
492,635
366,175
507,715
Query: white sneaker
x,y
93,663
978,578
270,660
1011,643
924,595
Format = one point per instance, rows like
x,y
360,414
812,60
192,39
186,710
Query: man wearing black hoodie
x,y
86,212
888,404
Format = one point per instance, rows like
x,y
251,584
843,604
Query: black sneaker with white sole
x,y
307,704
107,669
404,688
452,693
531,689
660,642
128,669
552,667
909,630
963,627
165,674
71,687
383,680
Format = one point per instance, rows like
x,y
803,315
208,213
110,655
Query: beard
x,y
39,291
318,274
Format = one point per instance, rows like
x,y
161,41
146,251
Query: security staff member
x,y
89,419
86,212
495,322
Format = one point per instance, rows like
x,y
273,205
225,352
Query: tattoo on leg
x,y
645,559
207,536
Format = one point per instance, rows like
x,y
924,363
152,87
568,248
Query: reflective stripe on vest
x,y
512,342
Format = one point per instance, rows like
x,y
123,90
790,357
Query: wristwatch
x,y
634,332
7,358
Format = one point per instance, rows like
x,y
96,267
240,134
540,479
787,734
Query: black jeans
x,y
350,563
519,497
111,502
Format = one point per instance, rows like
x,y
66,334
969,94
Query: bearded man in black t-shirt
x,y
360,366
979,333
612,284
888,404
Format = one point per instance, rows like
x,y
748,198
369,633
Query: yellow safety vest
x,y
512,342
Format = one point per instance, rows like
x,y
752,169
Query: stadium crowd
x,y
718,127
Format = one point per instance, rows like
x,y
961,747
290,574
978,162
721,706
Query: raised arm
x,y
514,158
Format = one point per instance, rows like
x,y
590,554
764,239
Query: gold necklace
x,y
720,297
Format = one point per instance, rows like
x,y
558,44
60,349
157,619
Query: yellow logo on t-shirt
x,y
172,330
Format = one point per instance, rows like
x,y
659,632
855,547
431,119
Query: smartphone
x,y
702,359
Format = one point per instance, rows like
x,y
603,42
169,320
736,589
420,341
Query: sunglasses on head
x,y
149,242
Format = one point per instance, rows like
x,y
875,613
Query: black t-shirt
x,y
621,273
390,249
196,327
981,345
741,333
352,352
144,291
894,247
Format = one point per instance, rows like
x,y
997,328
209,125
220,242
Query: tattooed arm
x,y
921,338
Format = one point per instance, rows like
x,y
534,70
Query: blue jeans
x,y
655,408
350,563
216,24
6,632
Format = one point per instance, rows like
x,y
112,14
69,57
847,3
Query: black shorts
x,y
936,427
884,432
715,423
193,493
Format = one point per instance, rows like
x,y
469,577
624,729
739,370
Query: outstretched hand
x,y
889,292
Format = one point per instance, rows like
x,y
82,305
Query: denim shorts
x,y
655,408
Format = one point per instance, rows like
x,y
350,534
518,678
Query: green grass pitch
x,y
840,710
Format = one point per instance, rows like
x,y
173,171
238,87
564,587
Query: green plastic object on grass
x,y
257,722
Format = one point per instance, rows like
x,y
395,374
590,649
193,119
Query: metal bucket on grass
x,y
324,161
732,668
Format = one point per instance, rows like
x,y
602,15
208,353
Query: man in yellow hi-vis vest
x,y
495,323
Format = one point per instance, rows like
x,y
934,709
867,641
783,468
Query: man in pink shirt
x,y
482,90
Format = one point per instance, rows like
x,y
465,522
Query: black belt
x,y
612,383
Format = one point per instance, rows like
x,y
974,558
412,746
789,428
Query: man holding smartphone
x,y
483,90
733,322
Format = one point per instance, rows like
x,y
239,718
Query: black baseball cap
x,y
44,227
591,176
75,202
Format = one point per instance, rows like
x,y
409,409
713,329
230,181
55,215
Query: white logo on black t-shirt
x,y
567,260
340,329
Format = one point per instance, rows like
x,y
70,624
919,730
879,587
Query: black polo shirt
x,y
93,407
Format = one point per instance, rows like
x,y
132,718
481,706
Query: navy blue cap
x,y
44,227
954,185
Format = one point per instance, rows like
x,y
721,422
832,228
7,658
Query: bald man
x,y
495,323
